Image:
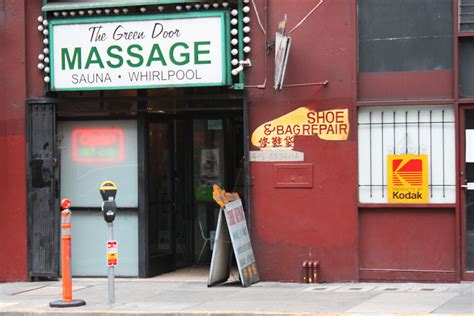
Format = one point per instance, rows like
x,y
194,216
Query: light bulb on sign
x,y
237,70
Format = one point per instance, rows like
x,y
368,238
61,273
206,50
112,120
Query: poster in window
x,y
407,178
209,174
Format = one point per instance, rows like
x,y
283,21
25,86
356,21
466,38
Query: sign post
x,y
108,190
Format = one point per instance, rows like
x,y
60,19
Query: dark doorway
x,y
187,154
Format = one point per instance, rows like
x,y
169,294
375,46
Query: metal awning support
x,y
57,6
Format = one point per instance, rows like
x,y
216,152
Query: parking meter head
x,y
109,209
108,190
65,204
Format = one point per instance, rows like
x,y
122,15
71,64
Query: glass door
x,y
209,169
467,180
160,197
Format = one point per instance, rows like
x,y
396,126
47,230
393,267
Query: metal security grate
x,y
466,15
406,130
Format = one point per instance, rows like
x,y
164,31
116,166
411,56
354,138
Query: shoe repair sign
x,y
407,178
331,125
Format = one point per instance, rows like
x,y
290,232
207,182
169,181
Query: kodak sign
x,y
407,178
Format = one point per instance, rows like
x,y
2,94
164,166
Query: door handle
x,y
468,186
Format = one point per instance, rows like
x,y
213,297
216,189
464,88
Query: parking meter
x,y
108,191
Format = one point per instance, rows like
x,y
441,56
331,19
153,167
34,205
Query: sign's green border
x,y
224,15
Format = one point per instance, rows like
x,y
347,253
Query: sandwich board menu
x,y
232,235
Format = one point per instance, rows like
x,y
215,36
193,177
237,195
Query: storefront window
x,y
415,130
405,35
96,151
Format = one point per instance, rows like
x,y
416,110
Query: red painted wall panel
x,y
405,85
407,240
13,252
290,225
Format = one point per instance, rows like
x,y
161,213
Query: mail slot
x,y
294,175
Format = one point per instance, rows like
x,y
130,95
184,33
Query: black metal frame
x,y
55,189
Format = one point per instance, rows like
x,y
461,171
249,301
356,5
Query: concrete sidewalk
x,y
172,296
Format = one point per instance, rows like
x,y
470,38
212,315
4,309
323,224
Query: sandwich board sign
x,y
232,231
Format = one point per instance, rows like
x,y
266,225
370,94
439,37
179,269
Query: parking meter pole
x,y
67,300
111,269
107,191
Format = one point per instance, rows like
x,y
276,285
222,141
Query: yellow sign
x,y
280,133
407,178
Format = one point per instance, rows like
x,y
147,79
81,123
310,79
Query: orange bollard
x,y
67,300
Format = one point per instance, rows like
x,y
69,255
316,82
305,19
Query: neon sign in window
x,y
96,145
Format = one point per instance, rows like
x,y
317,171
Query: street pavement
x,y
188,294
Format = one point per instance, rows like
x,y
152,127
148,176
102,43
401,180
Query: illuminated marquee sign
x,y
280,133
407,178
165,50
96,145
